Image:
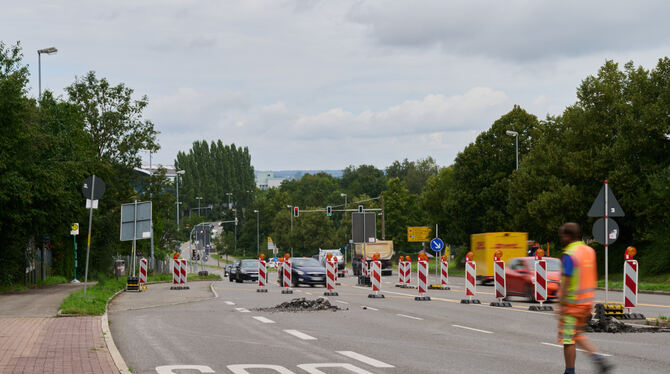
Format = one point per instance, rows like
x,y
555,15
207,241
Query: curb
x,y
638,291
109,340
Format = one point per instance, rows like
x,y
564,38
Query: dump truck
x,y
483,246
383,247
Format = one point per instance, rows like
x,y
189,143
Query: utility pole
x,y
383,220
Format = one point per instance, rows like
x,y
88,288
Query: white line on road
x,y
300,335
369,307
263,319
230,303
412,317
473,329
579,349
341,302
242,310
365,359
308,293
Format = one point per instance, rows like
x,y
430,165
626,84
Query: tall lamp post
x,y
258,240
176,178
345,207
516,138
198,198
291,232
229,194
48,51
235,211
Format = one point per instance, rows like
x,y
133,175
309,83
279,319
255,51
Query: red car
x,y
520,274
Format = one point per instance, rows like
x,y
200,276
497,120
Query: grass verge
x,y
20,286
645,283
95,302
221,259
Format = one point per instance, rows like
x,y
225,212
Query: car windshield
x,y
305,262
250,263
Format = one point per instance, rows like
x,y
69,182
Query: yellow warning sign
x,y
418,234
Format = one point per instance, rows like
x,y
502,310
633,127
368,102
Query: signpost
x,y
135,224
74,231
606,230
93,189
437,245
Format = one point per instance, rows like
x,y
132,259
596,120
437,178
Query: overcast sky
x,y
310,84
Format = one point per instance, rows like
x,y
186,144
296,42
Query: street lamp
x,y
258,240
176,178
516,137
48,51
235,211
291,233
229,195
198,198
345,199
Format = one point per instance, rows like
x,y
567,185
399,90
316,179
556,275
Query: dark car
x,y
246,270
226,269
306,270
233,270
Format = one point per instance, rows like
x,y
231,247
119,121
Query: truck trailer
x,y
483,246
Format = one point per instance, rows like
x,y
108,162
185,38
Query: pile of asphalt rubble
x,y
302,305
613,325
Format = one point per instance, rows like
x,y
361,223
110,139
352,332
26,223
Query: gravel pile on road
x,y
302,305
613,325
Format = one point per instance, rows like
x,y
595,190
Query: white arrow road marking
x,y
168,369
365,359
579,349
300,335
230,303
412,317
473,329
242,369
263,319
312,368
242,310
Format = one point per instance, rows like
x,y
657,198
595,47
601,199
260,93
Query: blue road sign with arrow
x,y
436,244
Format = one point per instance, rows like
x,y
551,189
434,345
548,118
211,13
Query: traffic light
x,y
360,209
194,255
329,211
296,211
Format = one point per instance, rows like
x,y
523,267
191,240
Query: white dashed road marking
x,y
473,329
581,350
365,359
242,310
412,317
263,319
341,302
230,303
300,335
369,307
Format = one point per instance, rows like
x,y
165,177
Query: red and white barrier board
x,y
541,281
422,280
499,278
470,278
262,276
143,271
179,275
444,274
376,279
286,277
630,269
408,273
331,277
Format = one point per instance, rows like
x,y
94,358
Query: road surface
x,y
392,335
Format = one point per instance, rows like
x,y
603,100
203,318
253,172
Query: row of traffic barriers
x,y
405,273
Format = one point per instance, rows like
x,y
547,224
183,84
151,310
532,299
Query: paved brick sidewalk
x,y
53,345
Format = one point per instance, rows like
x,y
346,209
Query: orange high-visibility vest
x,y
581,290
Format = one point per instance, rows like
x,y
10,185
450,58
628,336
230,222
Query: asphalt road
x,y
392,335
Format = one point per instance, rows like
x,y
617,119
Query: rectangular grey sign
x,y
143,224
357,227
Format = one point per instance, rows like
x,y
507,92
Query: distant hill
x,y
297,174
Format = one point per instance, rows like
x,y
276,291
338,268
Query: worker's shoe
x,y
604,366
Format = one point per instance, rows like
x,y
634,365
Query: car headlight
x,y
300,272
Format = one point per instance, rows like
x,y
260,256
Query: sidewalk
x,y
33,341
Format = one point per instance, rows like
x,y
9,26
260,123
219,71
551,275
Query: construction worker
x,y
576,299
